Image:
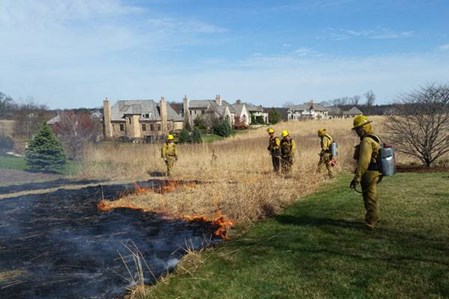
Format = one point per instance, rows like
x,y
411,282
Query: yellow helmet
x,y
321,132
170,137
359,121
270,130
284,133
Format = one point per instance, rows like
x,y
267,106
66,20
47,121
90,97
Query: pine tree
x,y
273,116
45,152
184,136
196,136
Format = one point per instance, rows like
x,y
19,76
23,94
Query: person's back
x,y
367,172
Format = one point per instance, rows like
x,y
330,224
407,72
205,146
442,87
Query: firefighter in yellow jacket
x,y
367,172
169,154
325,153
274,147
288,148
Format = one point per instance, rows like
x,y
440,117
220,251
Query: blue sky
x,y
74,53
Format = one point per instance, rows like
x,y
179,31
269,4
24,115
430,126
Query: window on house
x,y
129,120
144,127
159,128
151,127
122,127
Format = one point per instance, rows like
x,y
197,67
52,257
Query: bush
x,y
6,144
184,136
196,136
45,152
222,129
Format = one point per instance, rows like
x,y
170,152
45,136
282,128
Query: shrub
x,y
222,129
184,136
196,136
45,152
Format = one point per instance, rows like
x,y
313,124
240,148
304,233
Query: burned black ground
x,y
62,246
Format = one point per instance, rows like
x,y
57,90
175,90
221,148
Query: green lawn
x,y
11,162
319,248
18,163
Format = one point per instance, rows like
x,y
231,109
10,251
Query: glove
x,y
353,184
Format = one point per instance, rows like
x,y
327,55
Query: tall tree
x,y
274,116
419,123
28,117
6,105
196,136
370,98
45,152
76,129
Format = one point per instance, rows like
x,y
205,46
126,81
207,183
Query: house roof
x,y
353,111
307,106
253,108
142,107
211,106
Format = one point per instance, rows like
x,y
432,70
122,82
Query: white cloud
x,y
379,33
192,26
444,47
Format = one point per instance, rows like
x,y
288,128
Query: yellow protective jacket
x,y
168,149
367,156
274,145
326,141
288,147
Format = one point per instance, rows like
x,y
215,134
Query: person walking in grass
x,y
169,154
274,147
288,148
367,173
326,158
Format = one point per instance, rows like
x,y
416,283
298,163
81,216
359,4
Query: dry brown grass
x,y
238,183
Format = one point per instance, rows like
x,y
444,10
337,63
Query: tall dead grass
x,y
237,172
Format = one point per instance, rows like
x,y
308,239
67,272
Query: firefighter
x,y
169,154
367,173
326,158
274,147
288,148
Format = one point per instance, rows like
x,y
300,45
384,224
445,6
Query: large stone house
x,y
208,110
140,120
257,112
307,111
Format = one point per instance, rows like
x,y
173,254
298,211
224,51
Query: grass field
x,y
318,248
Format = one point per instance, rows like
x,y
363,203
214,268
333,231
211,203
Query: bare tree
x,y
370,98
6,103
76,129
355,100
419,123
28,118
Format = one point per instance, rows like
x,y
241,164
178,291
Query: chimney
x,y
107,125
164,117
218,100
186,110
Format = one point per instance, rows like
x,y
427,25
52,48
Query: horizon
x,y
74,53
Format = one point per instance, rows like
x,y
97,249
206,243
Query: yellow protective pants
x,y
370,198
325,160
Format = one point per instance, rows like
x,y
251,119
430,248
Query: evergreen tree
x,y
184,136
273,116
45,152
196,136
223,129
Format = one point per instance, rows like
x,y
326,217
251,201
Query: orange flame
x,y
223,224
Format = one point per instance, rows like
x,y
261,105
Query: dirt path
x,y
12,177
